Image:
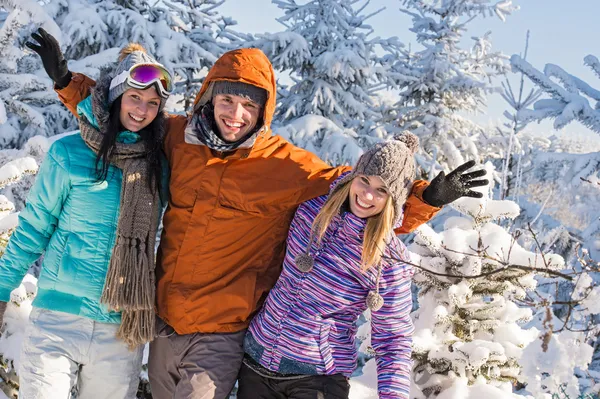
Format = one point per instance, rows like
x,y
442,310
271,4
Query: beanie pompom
x,y
130,48
410,140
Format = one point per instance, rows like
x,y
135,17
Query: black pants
x,y
254,386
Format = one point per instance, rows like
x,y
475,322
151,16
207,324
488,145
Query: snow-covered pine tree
x,y
468,328
328,51
210,32
10,173
321,136
334,77
186,36
513,151
443,79
28,107
569,101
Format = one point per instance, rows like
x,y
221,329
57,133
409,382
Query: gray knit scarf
x,y
203,123
130,282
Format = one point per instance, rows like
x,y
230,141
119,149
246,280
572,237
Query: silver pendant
x,y
304,262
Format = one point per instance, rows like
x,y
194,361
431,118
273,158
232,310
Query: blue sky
x,y
562,32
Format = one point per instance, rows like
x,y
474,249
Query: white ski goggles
x,y
142,76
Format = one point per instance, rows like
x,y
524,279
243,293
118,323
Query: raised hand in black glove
x,y
445,189
52,58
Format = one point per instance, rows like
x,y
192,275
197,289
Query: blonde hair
x,y
377,230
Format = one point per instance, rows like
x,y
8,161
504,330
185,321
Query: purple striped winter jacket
x,y
310,318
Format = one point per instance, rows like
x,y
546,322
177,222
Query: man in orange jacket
x,y
234,188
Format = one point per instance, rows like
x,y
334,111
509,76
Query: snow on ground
x,y
16,318
365,386
479,390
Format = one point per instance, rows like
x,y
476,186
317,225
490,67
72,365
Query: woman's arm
x,y
416,210
391,333
426,199
71,87
77,90
37,222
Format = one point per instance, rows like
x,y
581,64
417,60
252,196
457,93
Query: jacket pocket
x,y
182,196
325,348
191,200
68,263
52,271
181,222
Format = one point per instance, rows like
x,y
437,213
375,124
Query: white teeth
x,y
233,124
135,118
362,204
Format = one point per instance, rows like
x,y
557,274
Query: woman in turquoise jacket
x,y
93,212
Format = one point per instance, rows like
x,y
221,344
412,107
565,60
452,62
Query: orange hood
x,y
246,65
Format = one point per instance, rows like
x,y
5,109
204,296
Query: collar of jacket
x,y
261,142
352,225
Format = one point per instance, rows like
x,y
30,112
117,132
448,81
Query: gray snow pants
x,y
194,366
61,351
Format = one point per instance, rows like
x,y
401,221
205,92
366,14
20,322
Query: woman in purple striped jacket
x,y
342,257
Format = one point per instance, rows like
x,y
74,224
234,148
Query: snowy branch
x,y
568,102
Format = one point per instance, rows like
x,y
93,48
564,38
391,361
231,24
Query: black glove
x,y
446,189
52,58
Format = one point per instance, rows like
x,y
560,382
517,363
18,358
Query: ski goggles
x,y
142,76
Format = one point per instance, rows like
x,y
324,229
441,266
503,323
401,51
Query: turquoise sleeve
x,y
37,221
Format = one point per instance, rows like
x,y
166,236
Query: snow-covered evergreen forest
x,y
507,289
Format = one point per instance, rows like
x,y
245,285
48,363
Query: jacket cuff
x,y
419,187
68,93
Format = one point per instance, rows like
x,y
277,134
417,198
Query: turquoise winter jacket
x,y
71,218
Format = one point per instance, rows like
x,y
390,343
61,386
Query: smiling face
x,y
235,116
368,196
139,108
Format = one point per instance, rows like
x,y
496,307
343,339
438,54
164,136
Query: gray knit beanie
x,y
394,163
130,55
251,92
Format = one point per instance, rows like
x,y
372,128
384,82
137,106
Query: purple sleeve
x,y
391,332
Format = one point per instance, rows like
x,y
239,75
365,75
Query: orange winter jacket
x,y
227,221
